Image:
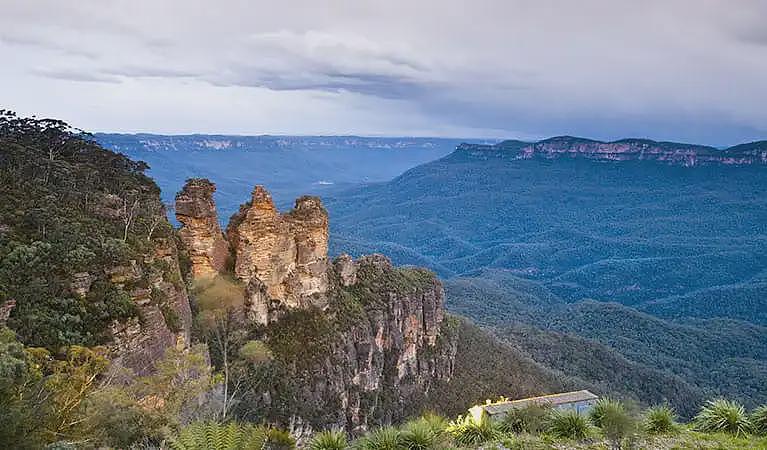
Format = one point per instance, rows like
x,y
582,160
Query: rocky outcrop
x,y
287,253
359,342
674,153
164,315
200,231
389,344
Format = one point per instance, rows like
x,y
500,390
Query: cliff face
x,y
386,343
624,150
357,342
164,315
283,255
200,231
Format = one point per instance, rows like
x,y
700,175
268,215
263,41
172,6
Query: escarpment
x,y
673,153
356,342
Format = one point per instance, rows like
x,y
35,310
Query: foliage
x,y
384,438
530,419
152,406
616,422
68,206
420,435
469,431
231,436
603,407
42,395
660,420
568,424
721,415
329,440
759,420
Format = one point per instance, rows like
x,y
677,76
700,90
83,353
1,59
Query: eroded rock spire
x,y
200,230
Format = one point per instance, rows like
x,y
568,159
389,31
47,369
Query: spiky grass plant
x,y
329,440
722,416
386,438
530,419
419,435
604,407
469,431
568,425
660,419
759,420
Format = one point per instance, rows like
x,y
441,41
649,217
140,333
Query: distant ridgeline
x,y
622,150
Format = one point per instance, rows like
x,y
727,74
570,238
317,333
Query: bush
x,y
660,420
217,436
469,431
759,420
387,438
722,416
419,435
601,408
617,423
329,440
530,419
568,425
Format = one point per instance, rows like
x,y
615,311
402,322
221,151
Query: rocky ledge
x,y
689,155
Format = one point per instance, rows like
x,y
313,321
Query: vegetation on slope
x,y
69,207
616,348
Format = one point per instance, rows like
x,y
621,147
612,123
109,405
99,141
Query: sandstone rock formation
x,y
200,231
287,253
391,346
360,342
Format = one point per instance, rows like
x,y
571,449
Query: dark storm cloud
x,y
687,69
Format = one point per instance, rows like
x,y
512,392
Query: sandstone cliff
x,y
284,255
674,153
200,231
356,343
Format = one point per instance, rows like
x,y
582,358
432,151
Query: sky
x,y
685,70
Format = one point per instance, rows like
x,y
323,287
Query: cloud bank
x,y
685,69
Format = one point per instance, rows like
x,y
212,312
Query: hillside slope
x,y
618,348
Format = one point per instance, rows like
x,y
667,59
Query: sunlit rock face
x,y
200,231
286,252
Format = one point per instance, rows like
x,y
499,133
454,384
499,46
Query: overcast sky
x,y
692,70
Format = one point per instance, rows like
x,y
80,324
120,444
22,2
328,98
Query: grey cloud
x,y
603,68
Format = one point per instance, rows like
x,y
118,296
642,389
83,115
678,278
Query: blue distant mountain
x,y
289,166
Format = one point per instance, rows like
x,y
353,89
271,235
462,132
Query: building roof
x,y
552,400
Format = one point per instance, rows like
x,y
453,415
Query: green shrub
x,y
617,423
568,425
660,420
218,436
329,440
419,435
231,436
469,431
530,419
722,416
759,420
279,440
601,408
386,438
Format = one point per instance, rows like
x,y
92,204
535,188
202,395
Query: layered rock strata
x,y
200,231
285,253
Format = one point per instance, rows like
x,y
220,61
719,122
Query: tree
x,y
220,301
